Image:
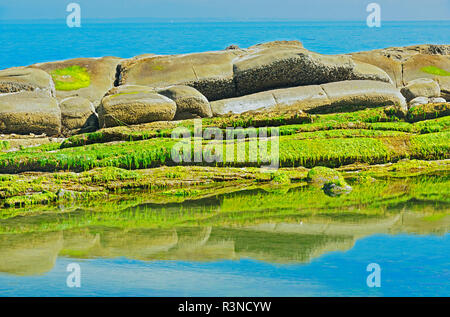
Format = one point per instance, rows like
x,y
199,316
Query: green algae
x,y
433,70
71,78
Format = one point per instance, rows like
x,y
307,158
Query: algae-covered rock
x,y
320,175
134,107
189,101
428,111
436,67
29,112
404,64
336,188
78,113
332,182
89,78
421,87
25,79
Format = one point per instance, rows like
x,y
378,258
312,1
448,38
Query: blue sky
x,y
228,9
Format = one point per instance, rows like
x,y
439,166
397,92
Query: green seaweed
x,y
433,70
71,78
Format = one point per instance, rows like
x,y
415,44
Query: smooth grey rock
x,y
421,87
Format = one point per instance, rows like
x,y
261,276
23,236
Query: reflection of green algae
x,y
257,204
435,217
433,70
157,67
71,78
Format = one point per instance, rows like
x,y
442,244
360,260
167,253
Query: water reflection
x,y
35,253
286,225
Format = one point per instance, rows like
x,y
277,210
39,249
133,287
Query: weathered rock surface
x,y
404,64
339,96
236,72
26,79
190,102
418,101
276,68
359,94
135,105
364,71
78,115
29,112
210,73
421,87
102,73
423,66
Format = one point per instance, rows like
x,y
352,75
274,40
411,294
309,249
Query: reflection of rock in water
x,y
29,254
134,243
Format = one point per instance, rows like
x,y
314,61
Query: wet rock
x,y
321,175
334,189
426,111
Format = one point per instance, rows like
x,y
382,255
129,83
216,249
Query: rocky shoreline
x,y
85,94
91,129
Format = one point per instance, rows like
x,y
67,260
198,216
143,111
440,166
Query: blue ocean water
x,y
41,41
401,258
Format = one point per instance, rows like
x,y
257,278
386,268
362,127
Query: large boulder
x,y
421,87
78,115
190,102
25,79
331,97
278,68
89,78
258,101
29,112
135,105
404,64
364,71
436,67
210,73
383,60
352,95
305,98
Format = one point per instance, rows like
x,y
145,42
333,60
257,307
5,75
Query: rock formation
x,y
66,97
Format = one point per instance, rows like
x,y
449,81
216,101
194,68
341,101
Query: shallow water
x,y
263,241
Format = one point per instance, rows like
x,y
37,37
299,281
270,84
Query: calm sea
x,y
40,41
